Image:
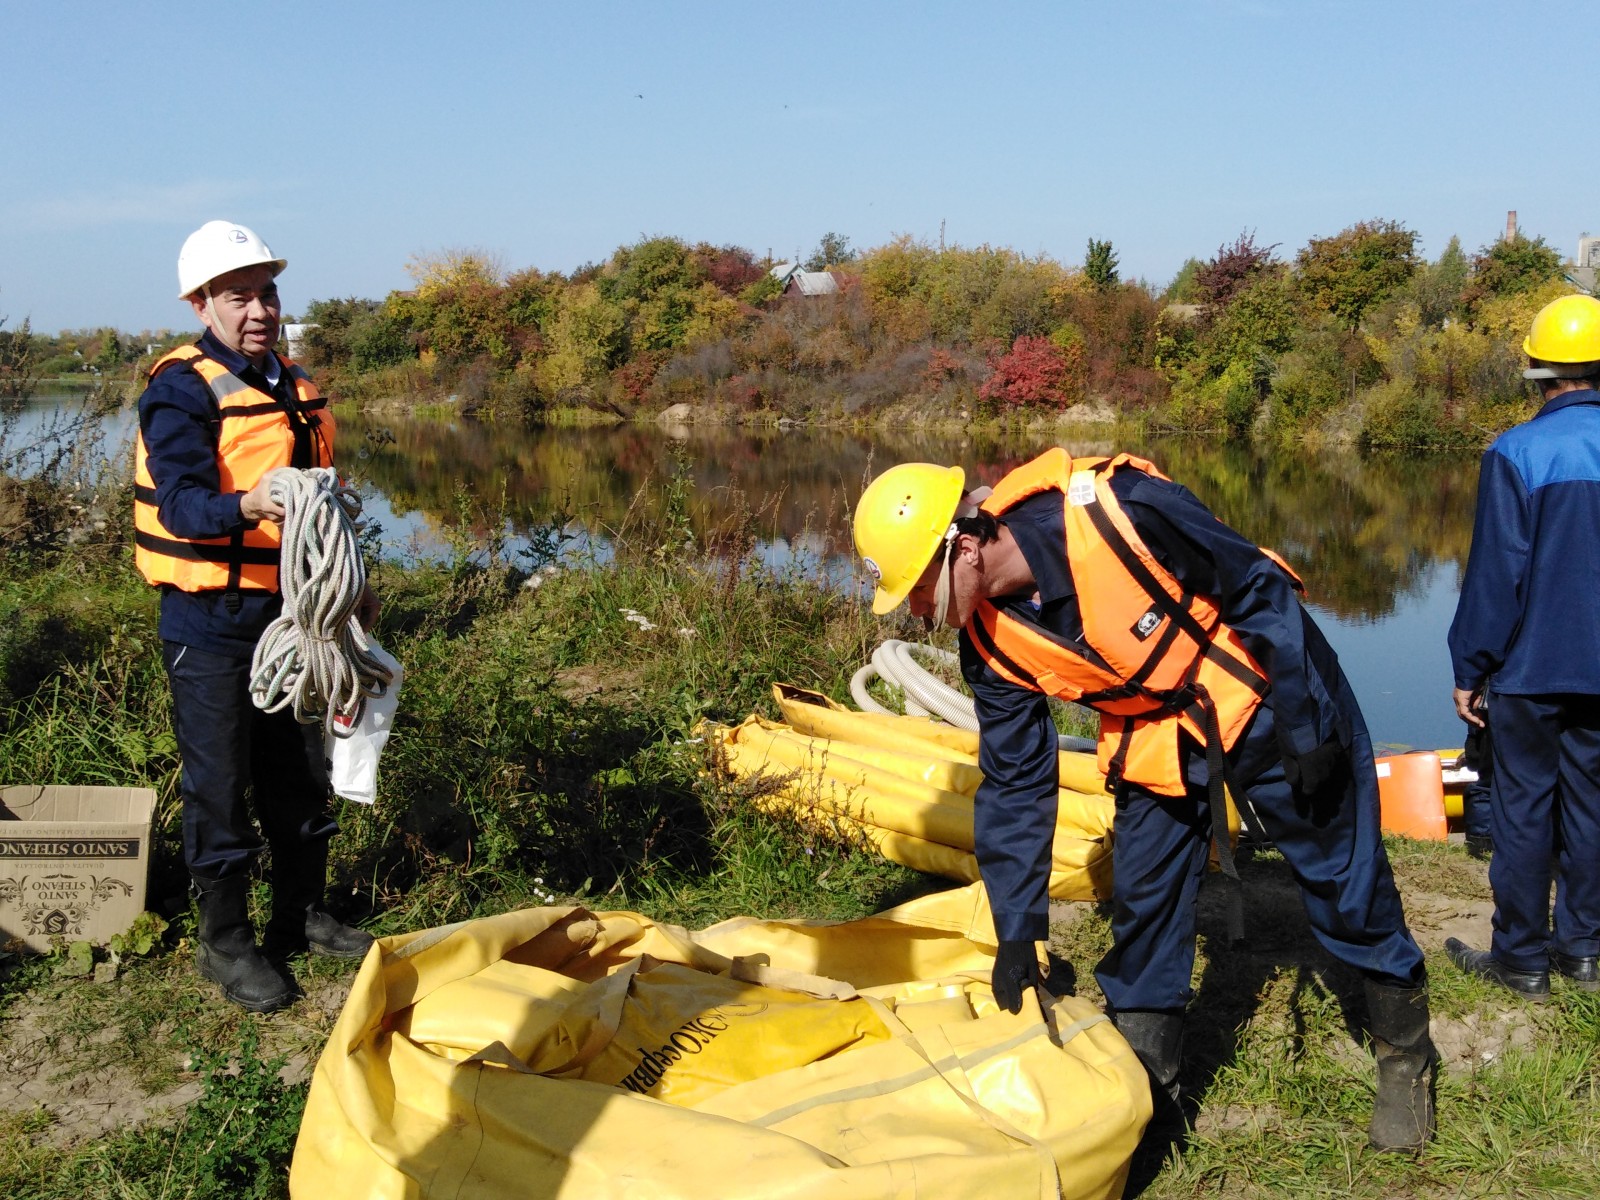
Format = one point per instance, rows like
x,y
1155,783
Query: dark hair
x,y
983,526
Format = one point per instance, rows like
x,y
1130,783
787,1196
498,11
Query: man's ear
x,y
969,548
197,301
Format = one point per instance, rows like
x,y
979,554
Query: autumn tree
x,y
1439,287
586,339
1511,266
665,291
832,251
1100,265
649,268
1234,268
109,356
18,361
458,307
1184,289
730,269
1350,272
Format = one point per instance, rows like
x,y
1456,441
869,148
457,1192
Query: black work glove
x,y
1016,966
1312,771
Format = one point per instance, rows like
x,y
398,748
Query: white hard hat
x,y
216,248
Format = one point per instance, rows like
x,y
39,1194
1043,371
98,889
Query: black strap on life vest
x,y
195,552
1200,707
1175,608
1216,797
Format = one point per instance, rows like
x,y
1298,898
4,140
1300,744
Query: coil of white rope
x,y
315,656
895,662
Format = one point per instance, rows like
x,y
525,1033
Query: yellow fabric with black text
x,y
494,1058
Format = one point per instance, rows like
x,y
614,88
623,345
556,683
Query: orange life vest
x,y
1154,661
255,435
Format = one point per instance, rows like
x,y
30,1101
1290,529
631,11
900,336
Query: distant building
x,y
1584,270
795,281
295,336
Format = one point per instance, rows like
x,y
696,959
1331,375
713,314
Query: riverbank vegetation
x,y
1353,338
545,752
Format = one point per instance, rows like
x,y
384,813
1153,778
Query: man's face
x,y
965,579
244,310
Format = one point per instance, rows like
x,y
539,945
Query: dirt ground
x,y
89,1083
83,1075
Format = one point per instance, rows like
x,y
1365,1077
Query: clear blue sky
x,y
353,135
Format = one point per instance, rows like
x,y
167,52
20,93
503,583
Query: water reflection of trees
x,y
1362,531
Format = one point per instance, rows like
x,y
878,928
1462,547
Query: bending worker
x,y
217,417
1527,624
1100,581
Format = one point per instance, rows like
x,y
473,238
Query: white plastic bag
x,y
353,760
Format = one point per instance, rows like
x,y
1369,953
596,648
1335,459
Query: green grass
x,y
546,751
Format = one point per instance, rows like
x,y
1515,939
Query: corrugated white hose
x,y
315,656
926,694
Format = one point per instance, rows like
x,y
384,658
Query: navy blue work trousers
x,y
1479,755
1332,844
1545,812
234,757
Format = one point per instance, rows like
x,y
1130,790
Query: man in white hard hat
x,y
216,419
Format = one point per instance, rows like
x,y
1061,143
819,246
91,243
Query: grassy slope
x,y
545,751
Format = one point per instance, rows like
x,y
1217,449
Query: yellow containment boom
x,y
570,1055
906,786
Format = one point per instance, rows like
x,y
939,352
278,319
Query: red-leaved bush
x,y
1035,371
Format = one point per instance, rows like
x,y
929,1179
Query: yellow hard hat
x,y
900,523
1566,331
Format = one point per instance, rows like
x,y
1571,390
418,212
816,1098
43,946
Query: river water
x,y
1380,541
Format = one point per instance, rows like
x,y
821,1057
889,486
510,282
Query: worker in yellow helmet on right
x,y
1526,636
1101,581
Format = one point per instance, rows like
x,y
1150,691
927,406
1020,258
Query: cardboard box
x,y
73,862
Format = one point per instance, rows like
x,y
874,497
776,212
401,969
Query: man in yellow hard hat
x,y
217,418
1526,635
1100,581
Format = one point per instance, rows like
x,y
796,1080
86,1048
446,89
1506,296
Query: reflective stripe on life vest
x,y
255,434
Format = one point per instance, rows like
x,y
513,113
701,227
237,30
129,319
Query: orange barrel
x,y
1411,796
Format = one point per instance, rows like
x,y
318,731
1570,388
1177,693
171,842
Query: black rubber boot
x,y
226,953
1402,1114
1157,1038
299,922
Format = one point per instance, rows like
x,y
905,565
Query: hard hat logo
x,y
240,236
873,570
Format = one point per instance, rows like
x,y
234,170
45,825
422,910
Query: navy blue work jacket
x,y
1016,802
178,419
1528,616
